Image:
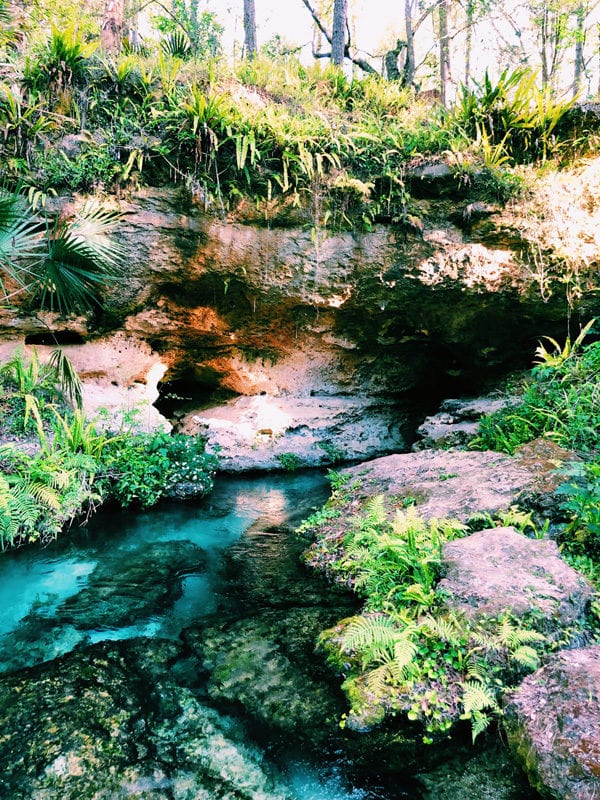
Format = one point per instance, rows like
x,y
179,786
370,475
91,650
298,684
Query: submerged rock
x,y
128,588
552,725
266,665
489,773
499,570
101,724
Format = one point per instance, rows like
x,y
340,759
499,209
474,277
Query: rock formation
x,y
552,725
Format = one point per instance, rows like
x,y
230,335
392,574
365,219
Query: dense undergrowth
x,y
407,652
56,467
74,120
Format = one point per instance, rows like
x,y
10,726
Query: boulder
x,y
267,432
445,483
107,723
127,588
552,725
459,484
500,569
456,422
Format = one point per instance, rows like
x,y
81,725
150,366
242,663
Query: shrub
x,y
561,401
406,652
142,468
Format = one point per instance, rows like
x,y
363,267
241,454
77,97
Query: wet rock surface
x,y
488,774
101,724
552,725
136,585
267,432
499,570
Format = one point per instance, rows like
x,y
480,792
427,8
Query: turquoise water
x,y
224,580
35,583
46,594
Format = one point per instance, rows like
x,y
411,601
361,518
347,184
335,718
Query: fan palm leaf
x,y
20,238
80,261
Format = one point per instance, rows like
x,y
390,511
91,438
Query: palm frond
x,y
19,236
80,261
67,376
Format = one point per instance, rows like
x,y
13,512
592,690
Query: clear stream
x,y
227,561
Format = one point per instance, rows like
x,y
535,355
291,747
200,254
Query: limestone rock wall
x,y
247,306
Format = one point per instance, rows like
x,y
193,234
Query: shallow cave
x,y
54,338
179,395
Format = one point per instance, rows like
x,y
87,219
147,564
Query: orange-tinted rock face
x,y
227,308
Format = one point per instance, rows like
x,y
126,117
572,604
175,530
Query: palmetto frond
x,y
20,236
80,261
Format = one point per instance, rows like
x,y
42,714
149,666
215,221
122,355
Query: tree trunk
x,y
193,33
410,63
579,64
338,34
444,52
470,11
111,32
250,29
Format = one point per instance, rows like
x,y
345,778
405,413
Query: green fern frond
x,y
449,628
45,495
405,650
368,632
374,513
477,697
378,680
508,634
479,723
516,518
484,639
481,520
476,669
527,657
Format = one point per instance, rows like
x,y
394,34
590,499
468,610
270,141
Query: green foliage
x,y
290,461
29,384
77,466
394,562
143,468
561,402
581,491
332,451
81,259
62,63
96,166
64,267
512,119
41,494
406,652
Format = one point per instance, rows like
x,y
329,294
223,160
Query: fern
x,y
476,669
479,722
477,697
513,636
366,632
526,657
450,628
